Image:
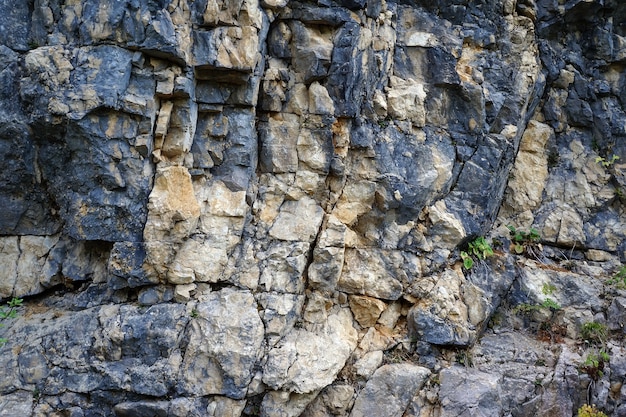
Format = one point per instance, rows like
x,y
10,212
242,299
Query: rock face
x,y
243,208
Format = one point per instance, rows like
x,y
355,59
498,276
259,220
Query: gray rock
x,y
209,198
15,27
142,409
224,342
465,391
18,403
616,315
434,329
390,390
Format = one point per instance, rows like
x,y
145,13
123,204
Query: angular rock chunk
x,y
224,343
306,361
469,391
373,272
390,390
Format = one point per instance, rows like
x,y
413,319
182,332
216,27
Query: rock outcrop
x,y
243,208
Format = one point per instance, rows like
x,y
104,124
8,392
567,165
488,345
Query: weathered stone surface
x,y
389,390
377,274
531,168
206,199
366,310
369,363
334,399
285,404
306,361
224,343
297,221
173,208
468,391
617,314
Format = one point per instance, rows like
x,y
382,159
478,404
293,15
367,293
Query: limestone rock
x,y
224,343
202,201
297,221
377,274
366,310
334,400
369,363
306,361
173,208
285,404
464,390
390,390
405,100
531,168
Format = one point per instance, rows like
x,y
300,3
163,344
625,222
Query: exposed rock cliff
x,y
234,208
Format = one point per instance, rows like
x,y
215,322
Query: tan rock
x,y
283,269
380,104
298,100
366,365
9,256
298,220
319,100
286,404
235,47
278,143
223,345
405,100
182,127
305,361
182,293
225,407
224,202
334,400
598,255
564,226
274,4
162,124
373,272
34,252
447,229
198,260
357,199
477,303
313,151
173,210
328,255
530,172
366,310
389,317
280,312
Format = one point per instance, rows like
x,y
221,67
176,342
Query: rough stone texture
x,y
389,390
305,361
243,208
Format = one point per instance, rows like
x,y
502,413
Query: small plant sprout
x,y
468,262
479,249
9,312
594,364
619,279
548,288
594,332
607,163
590,411
522,240
551,304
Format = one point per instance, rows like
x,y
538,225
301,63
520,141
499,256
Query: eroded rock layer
x,y
275,208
